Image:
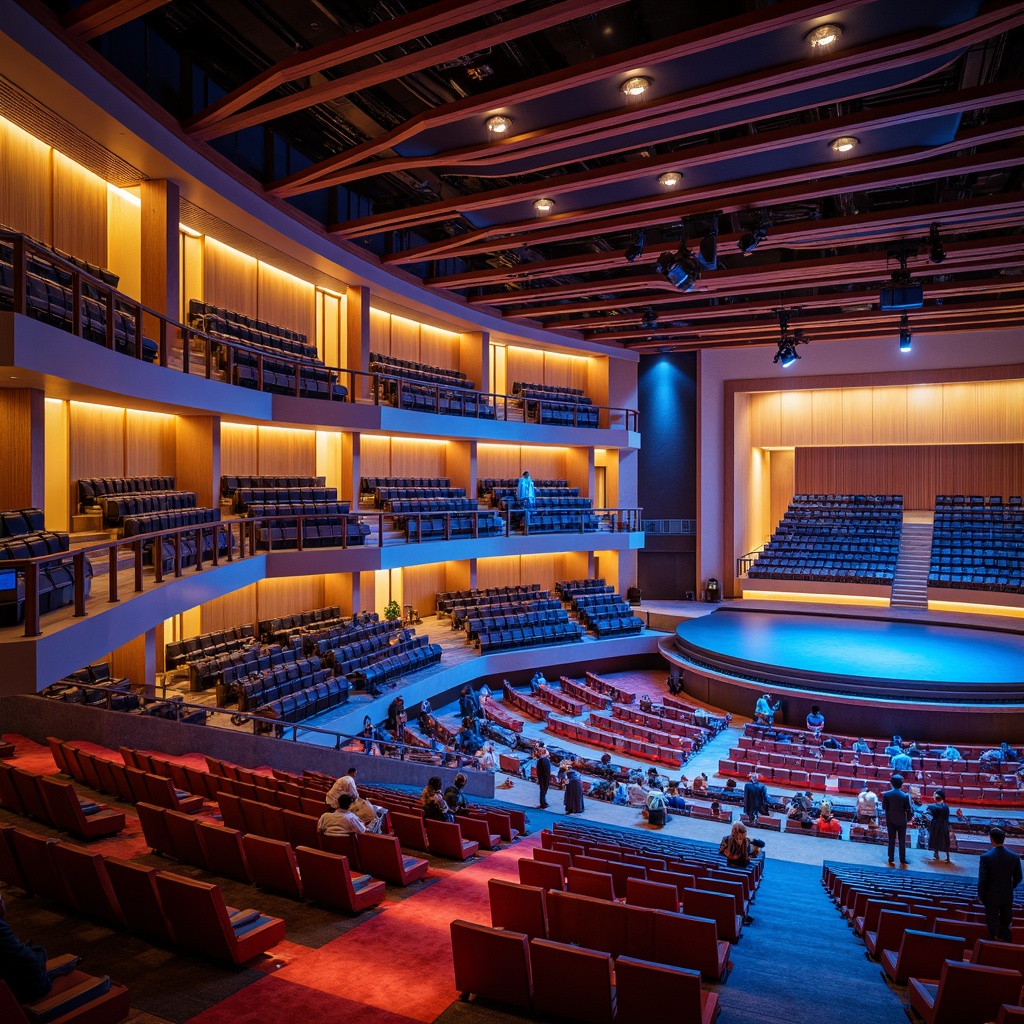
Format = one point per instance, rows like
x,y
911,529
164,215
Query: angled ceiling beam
x,y
678,47
821,132
435,18
94,18
490,157
388,71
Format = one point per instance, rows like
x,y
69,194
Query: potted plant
x,y
392,611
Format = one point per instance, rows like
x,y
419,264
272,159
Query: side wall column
x,y
160,252
357,336
23,478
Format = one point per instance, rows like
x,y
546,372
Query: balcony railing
x,y
177,346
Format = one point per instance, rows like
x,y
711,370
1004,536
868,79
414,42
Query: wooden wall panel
x,y
502,571
405,338
328,461
150,443
417,457
198,458
796,417
287,452
525,365
191,275
961,415
924,415
380,331
79,211
22,479
229,278
782,469
438,347
827,417
581,373
330,338
57,504
26,186
889,415
1001,409
497,461
230,610
285,301
765,414
857,407
239,449
542,569
420,586
374,455
544,463
96,441
276,597
124,243
558,370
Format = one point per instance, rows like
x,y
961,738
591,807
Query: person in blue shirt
x,y
764,710
860,747
896,747
815,720
900,762
526,492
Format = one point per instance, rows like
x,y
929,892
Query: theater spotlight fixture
x,y
498,125
787,354
635,88
544,205
670,179
649,319
636,249
680,268
707,254
906,338
750,240
936,251
824,37
844,144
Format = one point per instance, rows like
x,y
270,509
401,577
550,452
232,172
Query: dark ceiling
x,y
373,117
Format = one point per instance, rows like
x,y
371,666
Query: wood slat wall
x,y
150,444
285,301
79,211
26,184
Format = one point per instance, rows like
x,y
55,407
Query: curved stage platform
x,y
871,672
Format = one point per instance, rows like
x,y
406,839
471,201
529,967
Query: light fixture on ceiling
x,y
902,293
750,240
636,87
787,354
844,144
670,179
544,205
906,338
191,232
707,254
823,38
649,319
936,250
636,248
498,125
680,268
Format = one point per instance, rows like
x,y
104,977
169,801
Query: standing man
x,y
543,773
898,814
999,873
526,492
755,797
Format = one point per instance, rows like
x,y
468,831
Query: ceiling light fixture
x,y
750,240
680,268
902,293
824,37
787,354
670,179
936,250
906,338
844,144
635,87
499,124
544,205
636,249
707,254
649,320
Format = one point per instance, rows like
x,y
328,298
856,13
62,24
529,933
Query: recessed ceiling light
x,y
544,205
844,144
635,87
824,37
498,125
670,179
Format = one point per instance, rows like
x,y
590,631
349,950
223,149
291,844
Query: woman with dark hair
x,y
433,802
938,825
573,791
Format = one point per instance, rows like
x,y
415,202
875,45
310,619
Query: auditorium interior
x,y
642,467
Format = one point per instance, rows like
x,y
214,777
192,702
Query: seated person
x,y
654,780
469,704
860,747
827,824
487,758
716,807
346,786
950,753
900,762
764,710
799,807
366,812
537,681
831,743
342,821
700,785
395,708
22,967
815,720
992,760
730,785
674,800
453,795
636,794
913,750
737,849
655,811
896,747
432,801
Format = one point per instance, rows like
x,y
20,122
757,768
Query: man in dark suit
x,y
999,873
755,797
543,773
898,814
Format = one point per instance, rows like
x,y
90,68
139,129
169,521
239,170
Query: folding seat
x,y
187,843
137,780
301,829
721,908
274,826
9,795
411,831
969,931
154,828
872,909
90,820
478,830
920,955
32,852
965,993
518,908
597,884
225,854
382,857
88,883
621,872
231,811
445,840
492,964
588,920
163,793
644,989
891,926
203,925
272,865
654,895
541,873
572,983
26,784
74,998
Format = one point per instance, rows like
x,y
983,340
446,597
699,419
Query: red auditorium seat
x,y
970,931
88,883
33,854
553,857
920,955
411,831
542,874
154,828
225,854
644,990
572,983
327,879
68,813
301,829
163,793
588,921
872,909
382,857
478,830
139,900
598,884
964,994
75,998
186,840
990,953
891,926
231,811
518,908
27,786
137,780
10,870
9,795
446,840
346,845
622,872
203,925
720,907
683,940
655,895
492,964
1009,1014
272,865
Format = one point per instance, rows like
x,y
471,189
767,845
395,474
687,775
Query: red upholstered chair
x,y
590,863
553,857
59,757
643,990
572,983
491,963
203,924
965,993
681,880
9,795
542,874
621,874
501,822
154,828
88,883
590,883
920,955
139,900
164,793
75,998
137,780
42,877
720,907
273,866
872,909
692,942
478,830
1009,1014
411,831
68,813
118,774
86,763
301,829
588,921
382,857
971,931
346,845
326,879
186,839
729,887
231,811
639,932
891,926
225,854
990,953
518,908
445,839
108,781
655,895
32,802
10,869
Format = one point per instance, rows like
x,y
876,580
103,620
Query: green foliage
x,y
392,611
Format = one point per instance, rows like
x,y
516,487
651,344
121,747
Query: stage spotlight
x,y
936,252
906,338
788,340
649,319
680,268
636,250
708,251
544,205
750,240
787,354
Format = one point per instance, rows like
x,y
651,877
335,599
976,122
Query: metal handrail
x,y
241,542
167,329
744,562
238,718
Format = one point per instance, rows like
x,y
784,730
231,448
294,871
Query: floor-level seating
x,y
327,879
74,998
572,983
492,964
964,993
643,990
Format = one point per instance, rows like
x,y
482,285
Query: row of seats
x,y
563,522
522,631
283,681
410,506
230,484
56,585
480,524
384,672
569,588
383,496
657,718
670,756
116,508
324,524
226,671
472,619
347,655
246,497
361,627
276,630
975,547
977,501
369,484
446,600
209,645
228,323
558,406
486,486
328,692
371,653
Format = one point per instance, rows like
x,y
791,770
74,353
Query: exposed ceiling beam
x,y
678,47
96,17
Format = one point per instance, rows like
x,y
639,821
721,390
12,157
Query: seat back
x,y
85,873
679,879
445,840
553,857
971,994
272,865
381,857
225,854
921,955
62,803
990,953
411,830
34,855
137,895
572,983
587,921
683,940
891,926
492,964
27,786
154,828
621,874
518,908
197,915
655,895
10,869
186,839
590,883
643,990
542,874
10,1008
718,906
301,829
971,931
9,795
